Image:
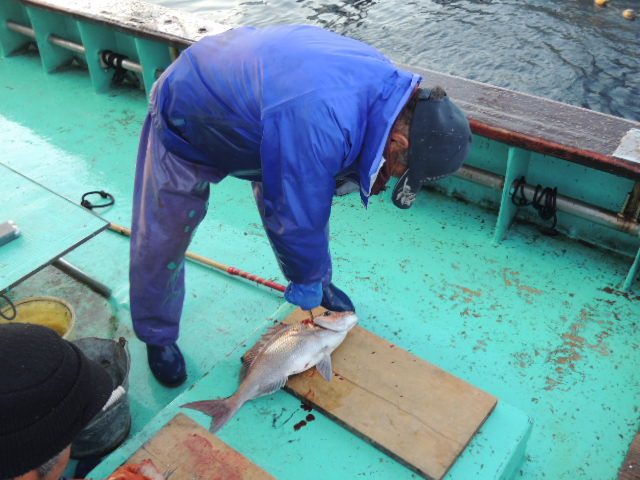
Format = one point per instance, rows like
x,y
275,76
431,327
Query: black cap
x,y
439,142
49,391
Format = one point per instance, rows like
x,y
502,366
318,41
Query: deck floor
x,y
536,321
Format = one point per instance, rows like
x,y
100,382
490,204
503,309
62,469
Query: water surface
x,y
570,51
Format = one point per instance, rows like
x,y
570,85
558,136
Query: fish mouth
x,y
336,321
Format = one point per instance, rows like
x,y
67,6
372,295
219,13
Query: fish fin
x,y
249,357
221,410
271,387
274,387
325,369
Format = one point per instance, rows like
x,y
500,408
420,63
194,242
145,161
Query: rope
x,y
114,60
544,201
90,206
13,307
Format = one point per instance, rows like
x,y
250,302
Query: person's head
x,y
49,391
429,140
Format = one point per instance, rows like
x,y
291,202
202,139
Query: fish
x,y
284,350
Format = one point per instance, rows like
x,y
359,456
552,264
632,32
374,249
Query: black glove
x,y
336,300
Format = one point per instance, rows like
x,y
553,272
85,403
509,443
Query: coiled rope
x,y
114,60
544,201
90,206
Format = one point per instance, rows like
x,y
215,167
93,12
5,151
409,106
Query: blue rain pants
x,y
170,200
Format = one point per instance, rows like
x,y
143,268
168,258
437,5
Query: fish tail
x,y
221,410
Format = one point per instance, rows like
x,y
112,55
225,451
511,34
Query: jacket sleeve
x,y
302,150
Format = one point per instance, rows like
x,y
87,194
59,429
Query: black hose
x,y
13,307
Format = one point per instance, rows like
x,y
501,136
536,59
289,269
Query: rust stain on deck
x,y
507,282
574,343
552,383
511,279
473,293
527,288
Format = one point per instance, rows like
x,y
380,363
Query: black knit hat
x,y
49,391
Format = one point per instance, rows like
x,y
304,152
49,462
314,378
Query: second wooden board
x,y
184,450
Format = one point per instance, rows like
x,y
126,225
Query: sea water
x,y
566,50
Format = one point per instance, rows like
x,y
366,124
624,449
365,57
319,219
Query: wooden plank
x,y
546,126
631,468
412,410
184,450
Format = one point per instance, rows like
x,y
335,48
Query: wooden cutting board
x,y
410,409
184,450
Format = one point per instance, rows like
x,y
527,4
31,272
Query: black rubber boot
x,y
167,364
336,300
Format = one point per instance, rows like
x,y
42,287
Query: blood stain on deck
x,y
299,425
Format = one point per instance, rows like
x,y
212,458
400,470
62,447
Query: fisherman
x,y
292,109
49,391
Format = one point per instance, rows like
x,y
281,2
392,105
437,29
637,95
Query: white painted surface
x,y
629,148
140,15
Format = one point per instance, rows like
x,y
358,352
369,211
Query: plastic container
x,y
50,312
110,427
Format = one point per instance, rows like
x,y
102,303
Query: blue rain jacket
x,y
293,107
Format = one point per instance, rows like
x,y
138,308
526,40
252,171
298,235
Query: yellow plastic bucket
x,y
50,312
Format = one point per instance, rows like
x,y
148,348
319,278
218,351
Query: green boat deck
x,y
537,321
